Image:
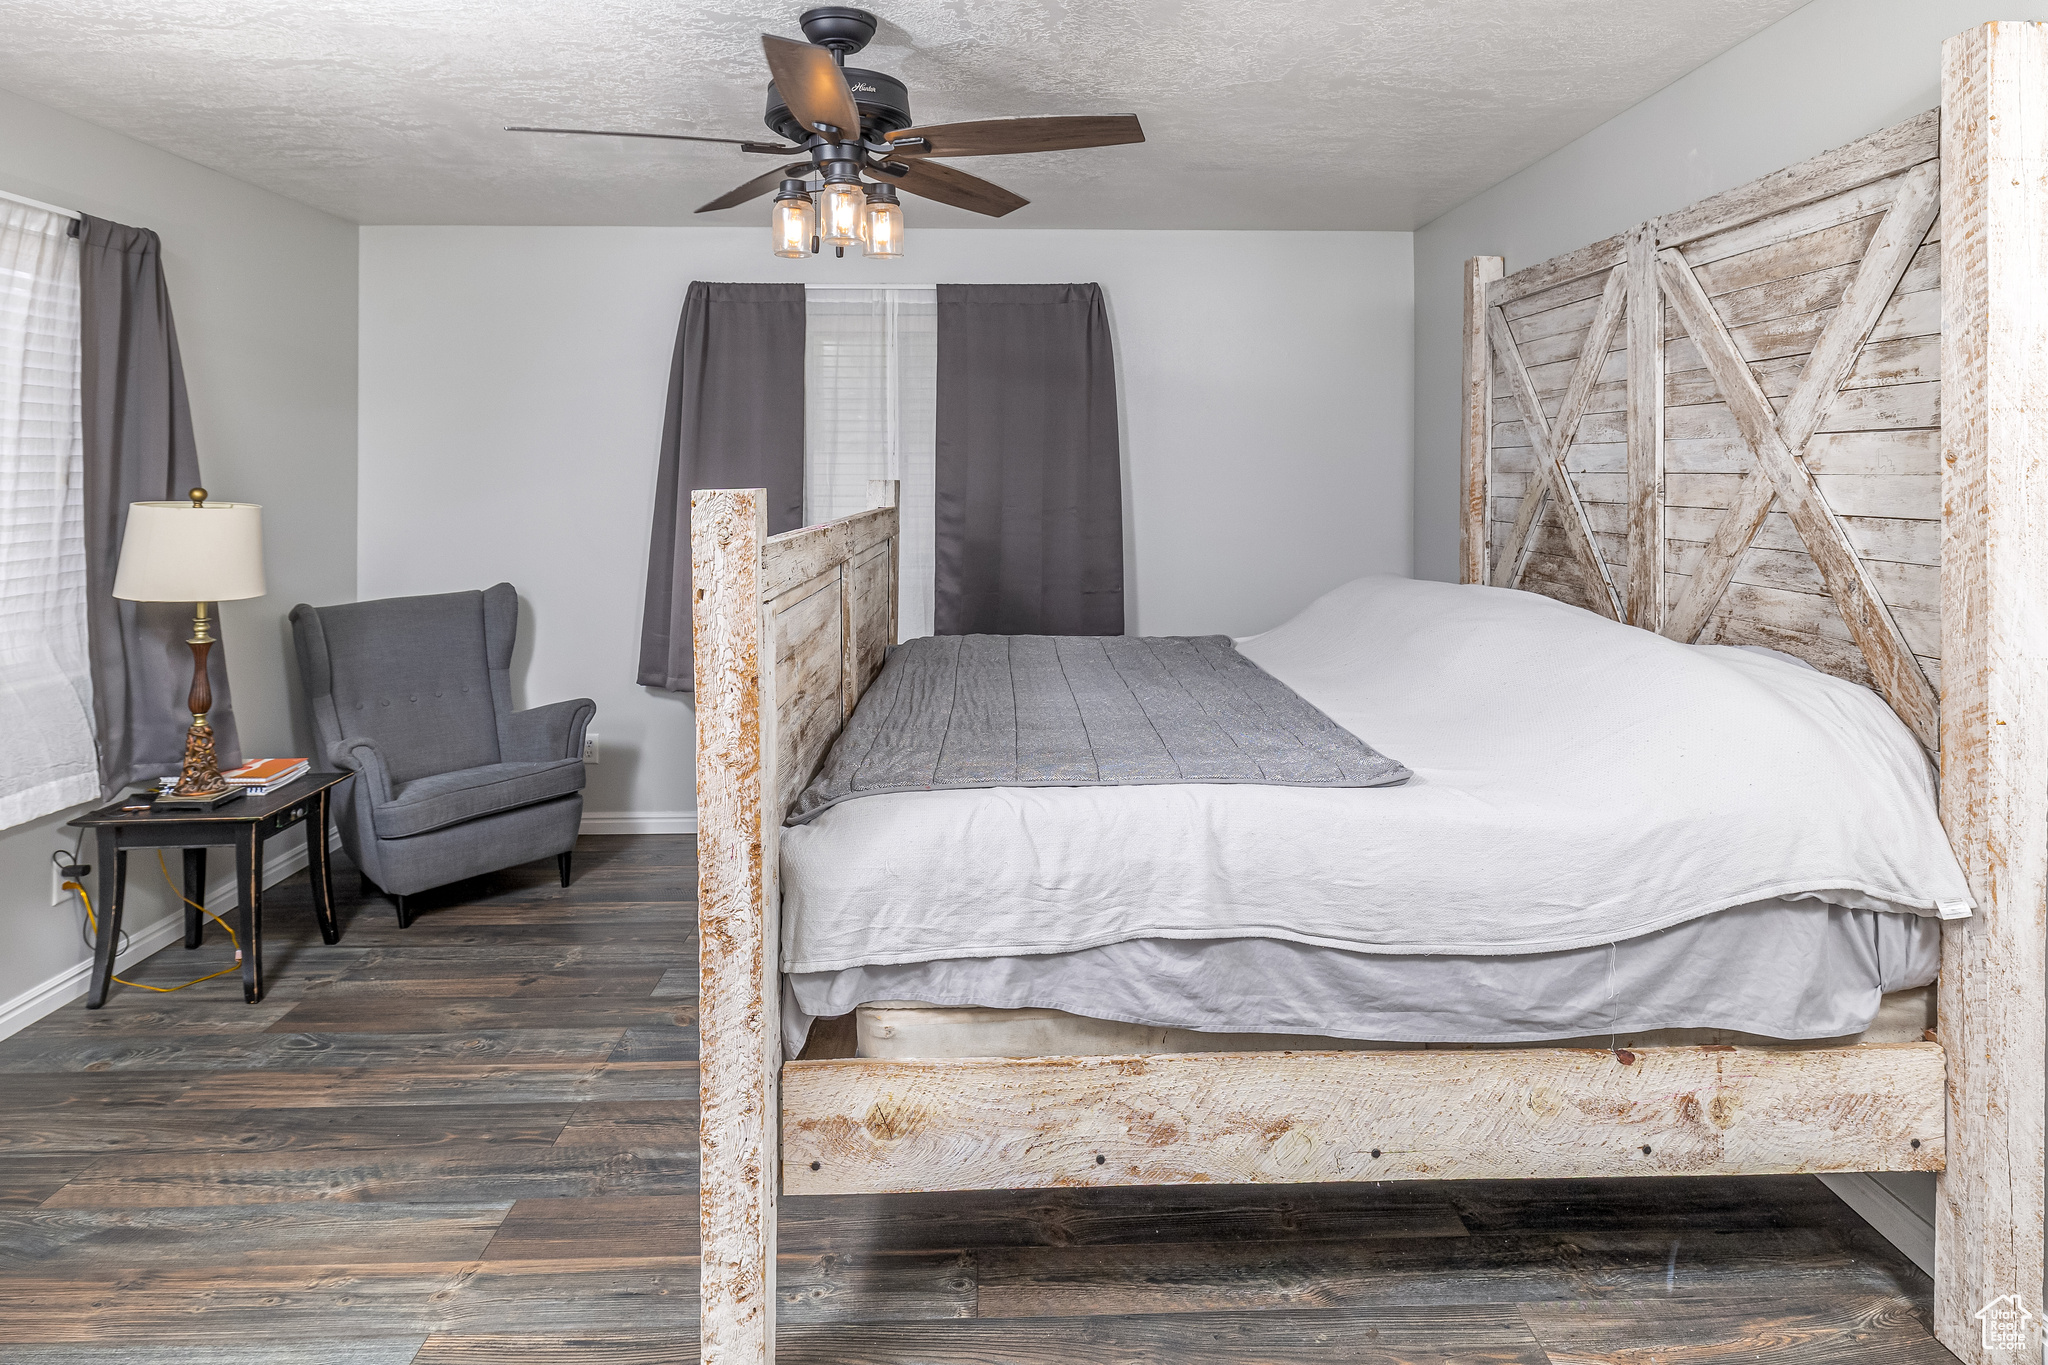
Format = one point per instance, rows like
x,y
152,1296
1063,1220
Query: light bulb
x,y
839,210
882,223
792,221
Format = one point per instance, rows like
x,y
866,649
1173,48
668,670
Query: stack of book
x,y
267,774
260,778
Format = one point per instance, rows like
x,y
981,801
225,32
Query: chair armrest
x,y
362,757
548,732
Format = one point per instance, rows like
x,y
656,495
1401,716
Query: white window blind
x,y
47,756
871,360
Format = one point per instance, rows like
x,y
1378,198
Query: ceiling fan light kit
x,y
849,121
840,205
794,220
882,223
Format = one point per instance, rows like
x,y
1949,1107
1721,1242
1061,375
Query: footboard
x,y
788,631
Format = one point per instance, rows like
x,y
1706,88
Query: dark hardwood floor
x,y
473,1141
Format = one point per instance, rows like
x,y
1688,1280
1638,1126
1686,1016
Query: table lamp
x,y
197,552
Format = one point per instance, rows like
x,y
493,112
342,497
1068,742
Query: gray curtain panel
x,y
1030,519
735,420
138,448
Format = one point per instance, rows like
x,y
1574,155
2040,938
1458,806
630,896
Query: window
x,y
47,756
871,361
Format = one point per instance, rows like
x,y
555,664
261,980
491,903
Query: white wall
x,y
263,290
1823,76
513,381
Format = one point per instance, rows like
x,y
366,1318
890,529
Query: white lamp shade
x,y
175,552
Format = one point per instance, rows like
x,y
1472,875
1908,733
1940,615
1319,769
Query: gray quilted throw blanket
x,y
956,711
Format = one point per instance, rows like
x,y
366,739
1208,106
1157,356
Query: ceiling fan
x,y
848,124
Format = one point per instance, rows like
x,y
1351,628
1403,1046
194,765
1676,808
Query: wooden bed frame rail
x,y
994,1123
1704,426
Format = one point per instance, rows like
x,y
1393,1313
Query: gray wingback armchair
x,y
414,696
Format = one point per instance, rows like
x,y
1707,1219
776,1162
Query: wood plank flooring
x,y
473,1142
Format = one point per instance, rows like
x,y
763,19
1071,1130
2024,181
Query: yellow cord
x,y
92,920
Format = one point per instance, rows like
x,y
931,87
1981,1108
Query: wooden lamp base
x,y
200,785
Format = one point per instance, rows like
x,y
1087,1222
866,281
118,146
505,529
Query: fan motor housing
x,y
843,30
883,102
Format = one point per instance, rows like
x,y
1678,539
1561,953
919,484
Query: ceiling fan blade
x,y
769,148
938,181
1006,136
810,83
753,189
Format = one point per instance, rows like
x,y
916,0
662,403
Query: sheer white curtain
x,y
47,758
870,386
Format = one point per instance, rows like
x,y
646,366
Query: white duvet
x,y
1576,782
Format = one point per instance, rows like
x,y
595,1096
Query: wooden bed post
x,y
740,1056
1994,712
789,630
1476,436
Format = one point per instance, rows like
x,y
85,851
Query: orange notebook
x,y
266,771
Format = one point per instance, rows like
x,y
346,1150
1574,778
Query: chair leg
x,y
562,865
404,920
367,887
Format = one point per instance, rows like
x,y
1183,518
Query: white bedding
x,y
1577,782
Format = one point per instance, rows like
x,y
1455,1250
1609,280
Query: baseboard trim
x,y
1898,1222
70,984
638,822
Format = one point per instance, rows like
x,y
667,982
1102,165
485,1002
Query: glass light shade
x,y
839,207
175,552
792,223
883,224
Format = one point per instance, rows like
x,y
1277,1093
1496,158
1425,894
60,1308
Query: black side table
x,y
247,824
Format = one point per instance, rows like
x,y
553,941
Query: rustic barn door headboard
x,y
1808,413
1724,424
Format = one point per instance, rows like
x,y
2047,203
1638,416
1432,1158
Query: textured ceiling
x,y
1259,113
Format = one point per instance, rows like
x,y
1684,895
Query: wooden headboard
x,y
1724,423
1808,413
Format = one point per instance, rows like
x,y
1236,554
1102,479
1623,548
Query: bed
x,y
1720,430
1591,830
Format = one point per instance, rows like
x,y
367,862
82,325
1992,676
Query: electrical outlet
x,y
58,895
590,746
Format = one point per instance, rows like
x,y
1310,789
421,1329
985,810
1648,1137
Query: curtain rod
x,y
39,204
870,286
